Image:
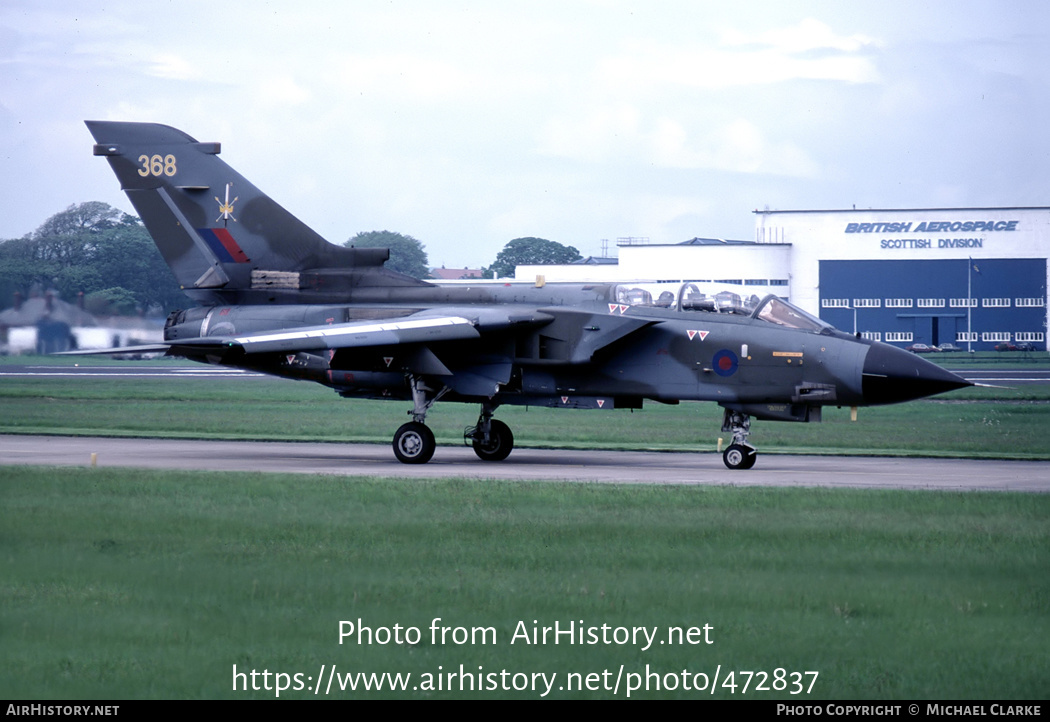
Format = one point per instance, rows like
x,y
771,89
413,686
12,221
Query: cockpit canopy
x,y
776,310
687,297
692,297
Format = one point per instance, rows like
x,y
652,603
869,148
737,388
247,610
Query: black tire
x,y
414,443
739,457
501,442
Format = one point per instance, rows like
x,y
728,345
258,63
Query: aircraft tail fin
x,y
222,237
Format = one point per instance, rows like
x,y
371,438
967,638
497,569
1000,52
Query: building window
x,y
778,282
1028,336
871,335
867,302
1029,302
930,303
899,303
963,303
834,303
995,336
899,336
730,281
995,303
966,336
756,282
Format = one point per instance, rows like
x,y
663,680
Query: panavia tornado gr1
x,y
273,296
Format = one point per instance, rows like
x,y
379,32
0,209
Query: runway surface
x,y
621,467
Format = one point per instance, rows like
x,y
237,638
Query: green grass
x,y
141,584
978,423
992,359
136,584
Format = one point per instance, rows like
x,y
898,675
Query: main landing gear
x,y
740,454
414,442
491,438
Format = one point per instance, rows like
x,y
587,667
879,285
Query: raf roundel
x,y
724,362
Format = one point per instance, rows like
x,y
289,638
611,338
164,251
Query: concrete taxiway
x,y
619,467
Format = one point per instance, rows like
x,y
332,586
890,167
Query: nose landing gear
x,y
740,454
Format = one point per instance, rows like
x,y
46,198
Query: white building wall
x,y
571,273
706,262
678,263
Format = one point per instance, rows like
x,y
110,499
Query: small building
x,y
52,319
454,274
44,324
748,267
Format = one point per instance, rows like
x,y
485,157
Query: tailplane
x,y
225,240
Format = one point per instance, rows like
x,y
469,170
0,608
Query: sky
x,y
469,124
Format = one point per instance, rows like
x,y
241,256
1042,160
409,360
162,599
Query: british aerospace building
x,y
972,277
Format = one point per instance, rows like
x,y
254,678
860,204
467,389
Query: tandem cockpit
x,y
692,297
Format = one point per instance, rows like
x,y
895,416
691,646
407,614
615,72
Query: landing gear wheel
x,y
739,457
500,443
414,443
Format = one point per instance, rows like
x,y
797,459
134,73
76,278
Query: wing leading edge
x,y
351,335
421,328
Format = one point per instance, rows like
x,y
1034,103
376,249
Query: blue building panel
x,y
937,301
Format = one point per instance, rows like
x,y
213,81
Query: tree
x,y
111,301
90,217
407,255
90,248
531,251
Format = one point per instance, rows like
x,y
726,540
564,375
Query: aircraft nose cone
x,y
892,375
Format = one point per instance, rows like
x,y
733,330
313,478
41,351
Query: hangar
x,y
972,277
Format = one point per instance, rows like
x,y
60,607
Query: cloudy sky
x,y
467,124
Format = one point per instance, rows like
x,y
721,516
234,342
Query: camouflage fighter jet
x,y
274,296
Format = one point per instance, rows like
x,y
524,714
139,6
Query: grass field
x,y
979,423
122,584
142,584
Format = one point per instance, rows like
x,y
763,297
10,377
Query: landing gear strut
x,y
414,442
740,454
491,438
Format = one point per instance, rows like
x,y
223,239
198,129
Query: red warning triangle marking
x,y
601,403
692,335
703,334
388,360
623,309
612,308
565,399
289,359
